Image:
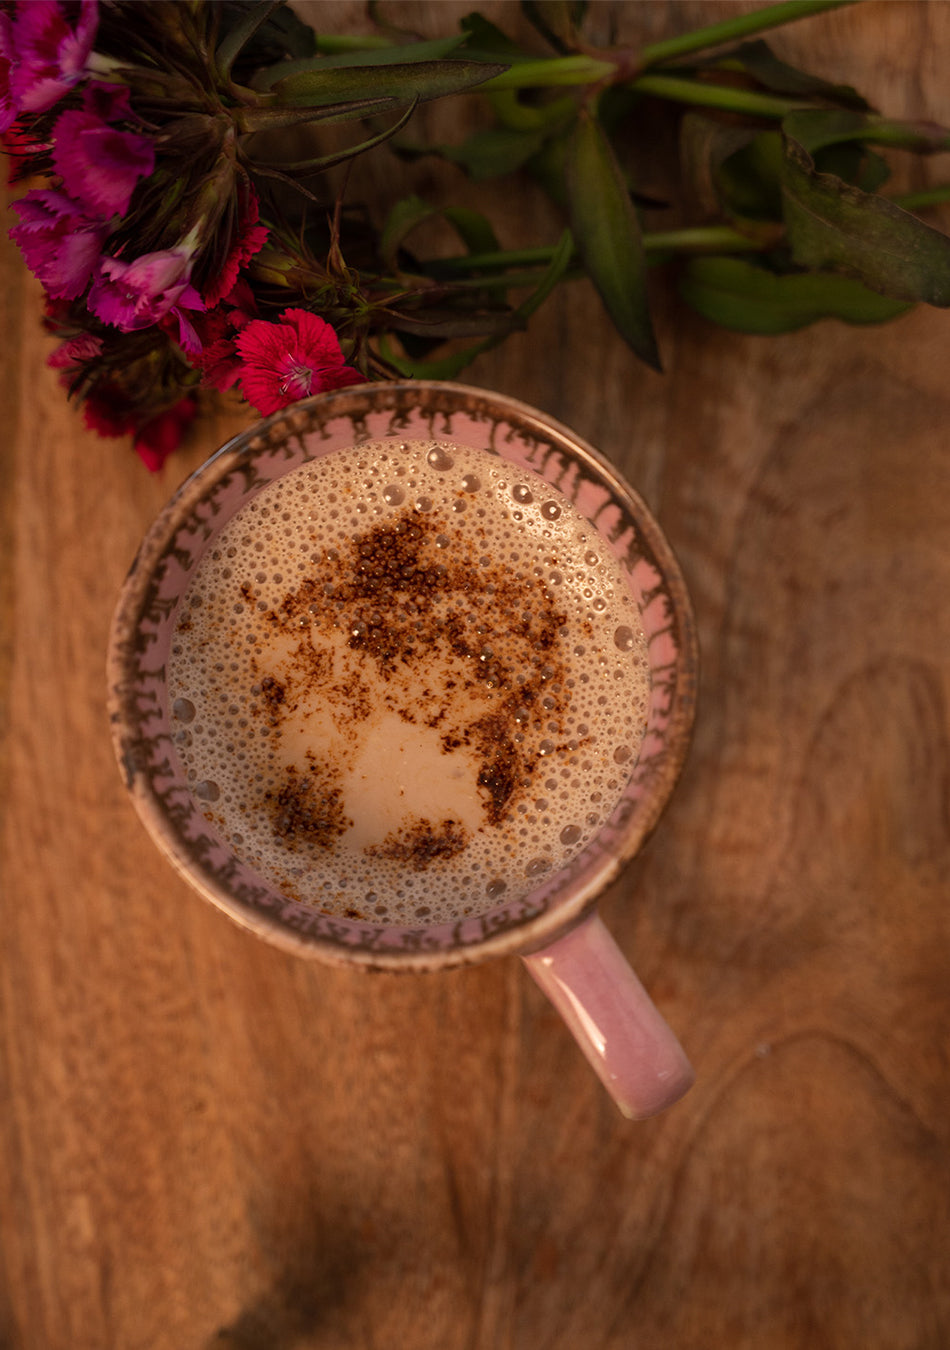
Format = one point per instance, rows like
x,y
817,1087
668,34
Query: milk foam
x,y
408,681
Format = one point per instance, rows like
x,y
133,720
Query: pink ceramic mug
x,y
555,929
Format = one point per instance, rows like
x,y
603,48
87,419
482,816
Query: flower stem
x,y
694,239
581,69
703,94
706,239
728,30
549,72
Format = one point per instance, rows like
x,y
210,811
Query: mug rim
x,y
356,402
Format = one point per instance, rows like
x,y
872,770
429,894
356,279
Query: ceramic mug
x,y
555,929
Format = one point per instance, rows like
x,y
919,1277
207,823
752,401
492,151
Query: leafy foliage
x,y
776,212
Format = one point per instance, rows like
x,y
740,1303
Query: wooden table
x,y
206,1142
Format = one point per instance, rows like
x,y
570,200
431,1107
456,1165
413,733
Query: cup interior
x,y
146,616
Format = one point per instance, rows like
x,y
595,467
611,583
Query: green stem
x,y
550,72
705,95
728,30
690,239
560,71
703,239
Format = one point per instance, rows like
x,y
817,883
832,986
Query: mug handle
x,y
613,1019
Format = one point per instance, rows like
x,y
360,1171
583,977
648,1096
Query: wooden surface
x,y
204,1142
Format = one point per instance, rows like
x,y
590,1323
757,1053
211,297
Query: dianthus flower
x,y
137,294
106,411
249,238
98,163
219,360
163,434
47,56
71,353
60,243
8,106
286,361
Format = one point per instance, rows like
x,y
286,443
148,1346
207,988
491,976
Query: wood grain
x,y
207,1143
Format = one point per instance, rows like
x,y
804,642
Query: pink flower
x,y
99,164
8,105
249,238
137,294
283,362
60,243
49,56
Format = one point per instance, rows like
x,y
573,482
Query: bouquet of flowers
x,y
183,249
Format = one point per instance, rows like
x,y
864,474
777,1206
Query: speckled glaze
x,y
145,619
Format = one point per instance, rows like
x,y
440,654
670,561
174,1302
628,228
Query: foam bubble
x,y
375,704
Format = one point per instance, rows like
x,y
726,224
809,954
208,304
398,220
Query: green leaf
x,y
607,234
366,59
834,225
240,34
275,119
494,152
749,180
401,221
747,298
814,129
421,80
548,168
321,163
560,262
447,367
758,60
435,368
472,227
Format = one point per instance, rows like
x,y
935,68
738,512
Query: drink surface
x,y
408,681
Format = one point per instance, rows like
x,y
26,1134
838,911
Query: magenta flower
x,y
8,107
49,56
99,164
137,294
283,362
60,243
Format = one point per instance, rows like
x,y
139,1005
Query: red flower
x,y
156,440
107,412
218,360
249,238
286,361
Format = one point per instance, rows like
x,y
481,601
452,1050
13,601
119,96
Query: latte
x,y
408,681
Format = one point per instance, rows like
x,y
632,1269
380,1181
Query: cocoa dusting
x,y
273,693
502,769
307,809
422,843
401,596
